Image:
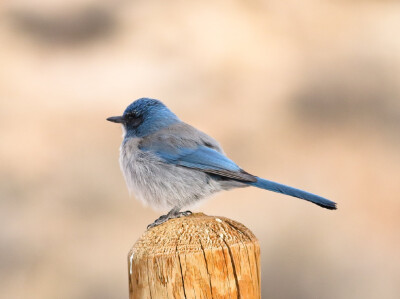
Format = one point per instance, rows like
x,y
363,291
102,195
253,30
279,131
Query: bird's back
x,y
179,135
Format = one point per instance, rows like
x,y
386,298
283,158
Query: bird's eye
x,y
133,119
131,116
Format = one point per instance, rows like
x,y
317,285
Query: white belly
x,y
159,184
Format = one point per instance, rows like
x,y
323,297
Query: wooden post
x,y
197,256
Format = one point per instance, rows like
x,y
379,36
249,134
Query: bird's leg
x,y
174,213
185,213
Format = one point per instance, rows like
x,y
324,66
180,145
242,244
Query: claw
x,y
165,218
186,213
158,221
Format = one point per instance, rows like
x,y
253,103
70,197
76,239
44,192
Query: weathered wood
x,y
197,256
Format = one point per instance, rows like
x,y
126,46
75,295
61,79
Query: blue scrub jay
x,y
169,164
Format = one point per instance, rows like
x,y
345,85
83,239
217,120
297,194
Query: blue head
x,y
144,117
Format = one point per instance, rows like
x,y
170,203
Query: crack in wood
x,y
223,254
227,272
248,256
148,278
180,265
208,271
233,268
183,280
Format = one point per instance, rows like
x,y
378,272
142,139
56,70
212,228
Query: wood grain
x,y
197,256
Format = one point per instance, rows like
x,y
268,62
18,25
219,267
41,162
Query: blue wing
x,y
202,158
195,150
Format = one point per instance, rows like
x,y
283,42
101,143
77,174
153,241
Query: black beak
x,y
116,119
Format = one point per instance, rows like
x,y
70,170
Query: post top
x,y
193,233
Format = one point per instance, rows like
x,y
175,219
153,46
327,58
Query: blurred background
x,y
305,93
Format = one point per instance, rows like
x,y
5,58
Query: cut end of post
x,y
196,256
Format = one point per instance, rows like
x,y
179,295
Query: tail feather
x,y
280,188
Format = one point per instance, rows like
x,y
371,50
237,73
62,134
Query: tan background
x,y
302,92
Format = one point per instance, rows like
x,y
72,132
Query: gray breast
x,y
162,185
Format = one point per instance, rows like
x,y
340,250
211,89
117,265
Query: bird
x,y
170,165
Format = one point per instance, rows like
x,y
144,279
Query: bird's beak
x,y
116,119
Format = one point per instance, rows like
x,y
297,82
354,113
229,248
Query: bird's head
x,y
145,116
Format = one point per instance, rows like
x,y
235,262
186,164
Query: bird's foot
x,y
158,221
181,214
165,218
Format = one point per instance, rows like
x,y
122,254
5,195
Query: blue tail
x,y
276,187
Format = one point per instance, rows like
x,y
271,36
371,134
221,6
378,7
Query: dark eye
x,y
131,116
133,119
